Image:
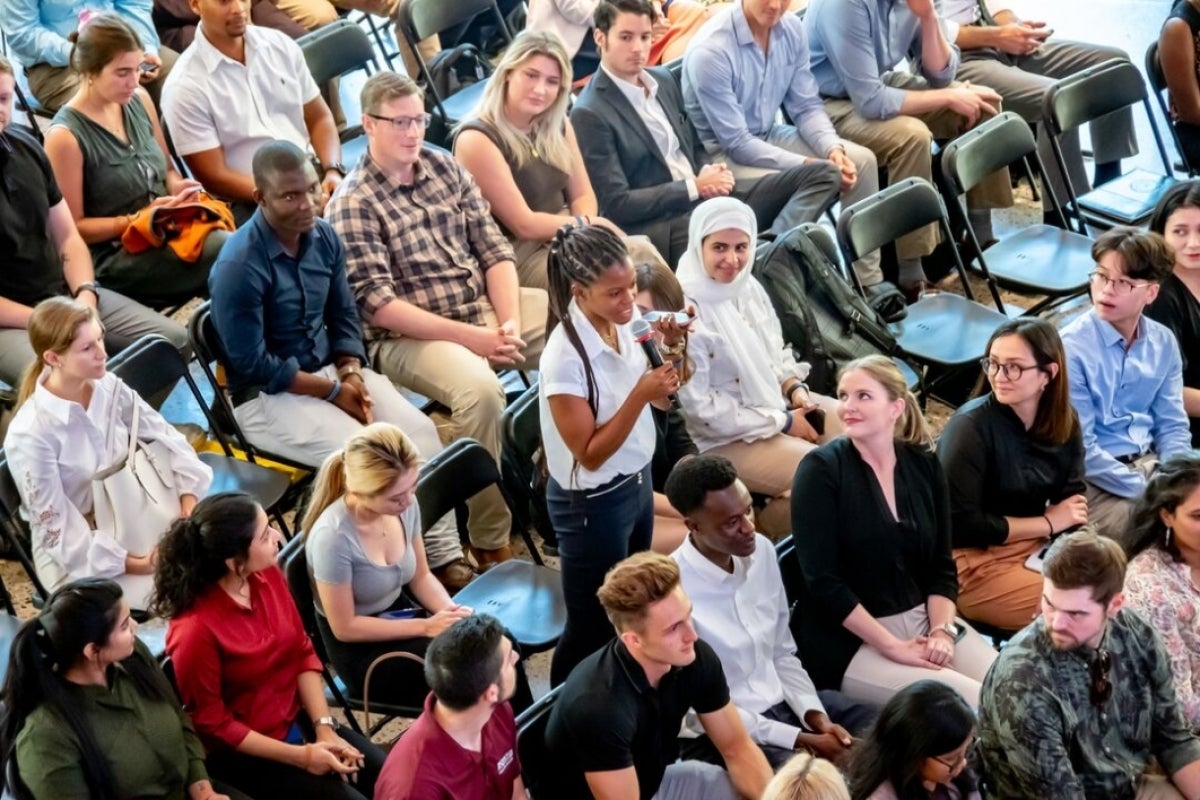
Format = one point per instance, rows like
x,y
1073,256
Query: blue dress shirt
x,y
733,91
277,314
855,42
1128,401
37,30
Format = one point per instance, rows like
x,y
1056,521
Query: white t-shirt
x,y
210,101
616,374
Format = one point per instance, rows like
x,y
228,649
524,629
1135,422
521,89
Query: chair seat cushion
x,y
1042,259
460,104
1129,199
946,329
267,486
526,598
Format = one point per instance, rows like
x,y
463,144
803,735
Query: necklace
x,y
610,338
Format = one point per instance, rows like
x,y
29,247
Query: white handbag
x,y
135,497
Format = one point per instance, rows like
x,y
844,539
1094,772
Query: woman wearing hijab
x,y
746,399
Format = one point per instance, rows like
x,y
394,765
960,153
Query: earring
x,y
1167,537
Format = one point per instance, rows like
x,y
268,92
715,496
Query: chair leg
x,y
341,700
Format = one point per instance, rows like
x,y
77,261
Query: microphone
x,y
644,336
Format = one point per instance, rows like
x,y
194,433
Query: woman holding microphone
x,y
597,430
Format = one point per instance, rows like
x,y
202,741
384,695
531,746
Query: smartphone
x,y
401,613
146,66
681,317
1034,562
816,418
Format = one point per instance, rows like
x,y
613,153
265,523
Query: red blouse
x,y
238,668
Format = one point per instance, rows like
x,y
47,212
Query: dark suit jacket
x,y
633,184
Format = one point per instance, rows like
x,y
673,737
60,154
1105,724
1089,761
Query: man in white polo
x,y
236,88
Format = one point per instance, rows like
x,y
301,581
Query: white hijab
x,y
717,303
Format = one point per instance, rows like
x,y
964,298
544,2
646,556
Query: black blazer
x,y
631,179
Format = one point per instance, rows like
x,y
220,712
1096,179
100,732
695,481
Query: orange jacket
x,y
183,227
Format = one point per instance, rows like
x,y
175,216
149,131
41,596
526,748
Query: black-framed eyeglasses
x,y
1121,286
962,760
420,122
1102,688
1011,370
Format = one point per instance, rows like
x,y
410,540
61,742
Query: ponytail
x,y
329,485
912,428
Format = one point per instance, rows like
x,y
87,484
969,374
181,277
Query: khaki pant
x,y
54,86
901,144
767,466
313,14
1157,787
995,586
531,256
873,678
466,384
1111,514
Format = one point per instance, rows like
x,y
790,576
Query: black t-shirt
x,y
30,269
608,717
1178,309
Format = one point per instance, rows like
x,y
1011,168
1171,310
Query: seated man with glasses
x,y
1126,376
436,283
1080,701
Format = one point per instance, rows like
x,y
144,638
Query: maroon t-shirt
x,y
427,764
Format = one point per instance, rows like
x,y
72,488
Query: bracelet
x,y
1049,524
349,369
333,393
579,223
307,756
787,426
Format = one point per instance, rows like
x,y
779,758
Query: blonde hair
x,y
385,86
911,428
370,462
547,137
633,585
52,327
806,777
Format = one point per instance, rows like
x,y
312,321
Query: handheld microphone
x,y
644,336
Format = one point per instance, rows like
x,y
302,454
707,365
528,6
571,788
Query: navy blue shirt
x,y
276,314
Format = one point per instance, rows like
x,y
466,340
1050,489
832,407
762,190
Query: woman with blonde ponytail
x,y
367,561
871,522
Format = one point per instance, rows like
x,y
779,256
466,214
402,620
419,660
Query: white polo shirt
x,y
210,101
616,374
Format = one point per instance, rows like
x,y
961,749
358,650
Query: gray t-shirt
x,y
335,555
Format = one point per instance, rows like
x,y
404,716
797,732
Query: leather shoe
x,y
916,291
455,575
486,559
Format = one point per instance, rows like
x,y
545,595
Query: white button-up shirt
x,y
616,374
210,100
743,616
55,446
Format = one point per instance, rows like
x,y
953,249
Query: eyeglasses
x,y
1011,370
1102,688
405,123
1121,286
961,761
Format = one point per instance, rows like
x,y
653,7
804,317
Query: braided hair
x,y
579,255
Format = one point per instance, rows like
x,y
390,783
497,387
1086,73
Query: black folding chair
x,y
334,50
942,329
1037,259
520,439
525,597
1158,87
152,365
17,536
1088,95
531,744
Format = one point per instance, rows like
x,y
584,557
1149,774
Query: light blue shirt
x,y
1128,401
37,30
733,91
855,43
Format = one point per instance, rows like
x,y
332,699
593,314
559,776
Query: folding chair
x,y
520,438
942,329
1038,259
525,597
152,365
1158,85
294,562
420,19
17,536
334,50
1088,95
531,744
207,347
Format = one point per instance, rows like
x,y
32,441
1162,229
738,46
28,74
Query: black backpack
x,y
453,70
823,318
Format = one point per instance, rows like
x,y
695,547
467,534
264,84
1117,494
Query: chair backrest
x,y
789,568
887,215
427,17
337,48
531,743
1158,86
1092,93
1154,70
202,335
520,435
16,531
293,560
981,151
453,476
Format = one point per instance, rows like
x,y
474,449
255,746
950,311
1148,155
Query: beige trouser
x,y
466,384
901,144
1111,514
767,466
995,586
530,256
313,14
873,678
1157,787
54,86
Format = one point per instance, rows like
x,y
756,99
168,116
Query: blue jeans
x,y
596,528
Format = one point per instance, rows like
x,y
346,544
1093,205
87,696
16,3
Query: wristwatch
x,y
949,628
86,286
336,166
326,720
